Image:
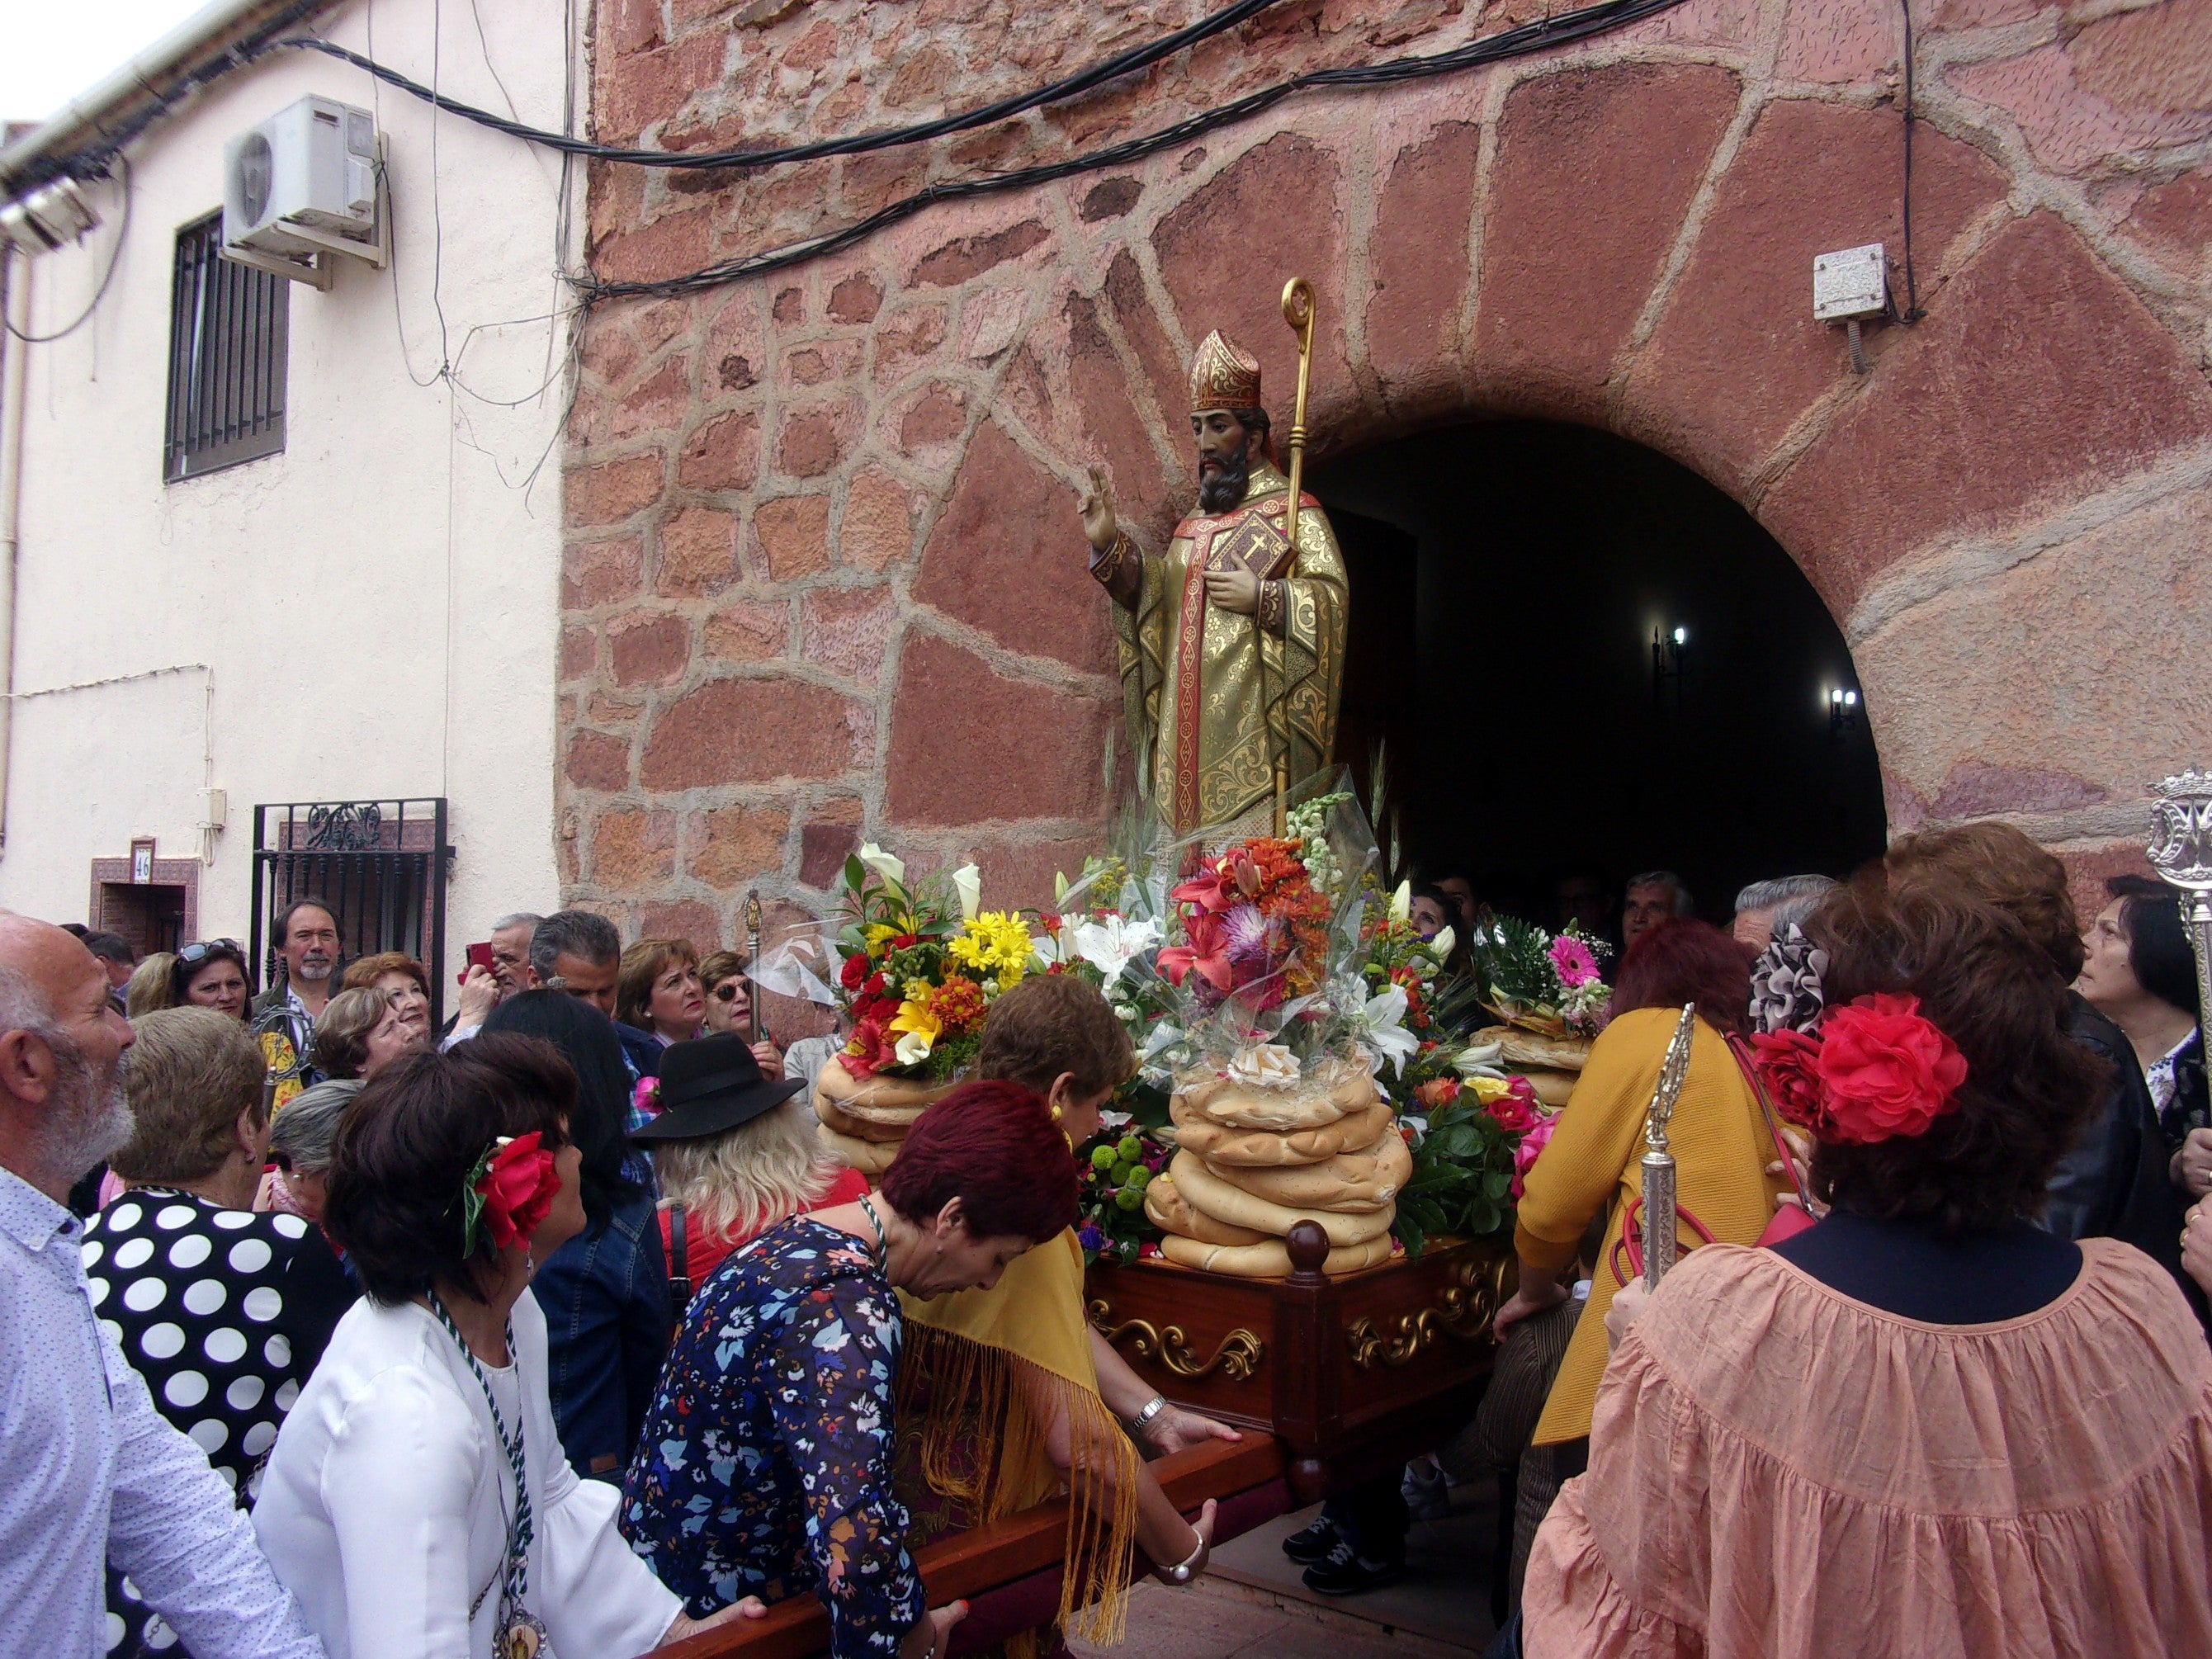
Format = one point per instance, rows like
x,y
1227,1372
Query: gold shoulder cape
x,y
983,1372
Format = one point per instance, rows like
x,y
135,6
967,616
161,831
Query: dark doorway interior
x,y
151,915
1507,579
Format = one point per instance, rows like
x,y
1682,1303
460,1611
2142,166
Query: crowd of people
x,y
341,1332
554,1328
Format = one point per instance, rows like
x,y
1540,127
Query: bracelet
x,y
1185,1570
1153,1409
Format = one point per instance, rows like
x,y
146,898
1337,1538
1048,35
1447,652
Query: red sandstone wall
x,y
823,573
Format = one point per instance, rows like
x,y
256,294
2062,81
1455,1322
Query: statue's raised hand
x,y
1097,507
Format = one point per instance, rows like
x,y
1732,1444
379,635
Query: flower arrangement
x,y
1118,1164
1468,1137
1255,927
922,971
1552,983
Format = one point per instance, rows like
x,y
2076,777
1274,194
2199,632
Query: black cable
x,y
1528,38
751,159
1912,312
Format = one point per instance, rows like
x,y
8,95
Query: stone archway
x,y
823,579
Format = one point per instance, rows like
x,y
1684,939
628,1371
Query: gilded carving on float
x,y
1463,1310
1237,1357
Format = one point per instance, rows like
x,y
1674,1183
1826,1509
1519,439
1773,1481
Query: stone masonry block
x,y
969,745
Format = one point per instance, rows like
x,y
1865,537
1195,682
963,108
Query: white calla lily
x,y
1112,945
967,882
890,869
1441,946
1383,1030
1401,901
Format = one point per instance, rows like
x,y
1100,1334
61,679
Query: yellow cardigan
x,y
1720,1148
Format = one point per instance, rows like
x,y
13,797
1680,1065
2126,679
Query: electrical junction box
x,y
1851,283
302,186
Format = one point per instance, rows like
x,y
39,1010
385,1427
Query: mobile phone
x,y
479,957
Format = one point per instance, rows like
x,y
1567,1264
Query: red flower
x,y
1788,1064
854,974
1886,1069
518,1187
1516,1110
906,941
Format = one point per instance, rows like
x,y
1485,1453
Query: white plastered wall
x,y
376,608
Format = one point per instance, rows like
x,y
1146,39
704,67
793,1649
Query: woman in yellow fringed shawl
x,y
1009,1395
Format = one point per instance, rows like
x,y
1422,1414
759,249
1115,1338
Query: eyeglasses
x,y
727,991
205,948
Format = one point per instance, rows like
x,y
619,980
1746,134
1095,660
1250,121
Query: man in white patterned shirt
x,y
89,1471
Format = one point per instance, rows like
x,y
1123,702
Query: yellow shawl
x,y
986,1369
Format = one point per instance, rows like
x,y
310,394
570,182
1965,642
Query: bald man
x,y
93,1472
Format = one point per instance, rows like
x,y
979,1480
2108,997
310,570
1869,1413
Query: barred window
x,y
226,333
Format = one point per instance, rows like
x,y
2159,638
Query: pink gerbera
x,y
1572,961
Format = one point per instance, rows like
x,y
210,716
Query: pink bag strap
x,y
1741,1050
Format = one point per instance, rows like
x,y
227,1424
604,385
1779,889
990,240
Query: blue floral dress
x,y
765,1468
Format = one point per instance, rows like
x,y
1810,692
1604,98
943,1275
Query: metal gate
x,y
380,866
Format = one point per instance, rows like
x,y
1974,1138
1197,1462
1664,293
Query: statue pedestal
x,y
1355,1374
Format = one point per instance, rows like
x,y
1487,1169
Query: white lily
x,y
1441,946
890,869
1401,901
1112,945
1382,1031
967,882
913,1048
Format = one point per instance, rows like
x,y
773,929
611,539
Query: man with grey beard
x,y
93,1472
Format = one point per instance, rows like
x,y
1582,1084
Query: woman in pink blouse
x,y
1923,1427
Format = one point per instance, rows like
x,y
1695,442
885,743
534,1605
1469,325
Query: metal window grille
x,y
227,325
380,866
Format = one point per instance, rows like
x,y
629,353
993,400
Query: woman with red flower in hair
x,y
416,1502
1925,1426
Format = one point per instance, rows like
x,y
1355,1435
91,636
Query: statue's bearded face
x,y
1224,445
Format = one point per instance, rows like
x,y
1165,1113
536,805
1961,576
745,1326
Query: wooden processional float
x,y
1334,1377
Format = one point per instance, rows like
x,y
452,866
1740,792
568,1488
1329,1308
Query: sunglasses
x,y
203,949
727,991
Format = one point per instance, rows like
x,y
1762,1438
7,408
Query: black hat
x,y
712,1083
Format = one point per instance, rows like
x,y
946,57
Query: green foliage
x,y
1462,1181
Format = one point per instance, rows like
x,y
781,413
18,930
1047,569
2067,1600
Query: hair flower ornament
x,y
1874,1070
509,1191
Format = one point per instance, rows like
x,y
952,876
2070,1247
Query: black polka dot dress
x,y
224,1313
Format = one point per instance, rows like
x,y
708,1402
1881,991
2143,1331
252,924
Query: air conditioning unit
x,y
300,191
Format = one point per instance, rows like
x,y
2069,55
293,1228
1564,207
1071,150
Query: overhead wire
x,y
753,157
1542,35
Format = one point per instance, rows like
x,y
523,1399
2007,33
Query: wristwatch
x,y
1153,1409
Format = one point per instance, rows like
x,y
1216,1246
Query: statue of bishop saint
x,y
1232,641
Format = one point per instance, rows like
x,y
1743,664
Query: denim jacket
x,y
604,1294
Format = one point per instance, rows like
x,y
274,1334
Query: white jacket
x,y
384,1507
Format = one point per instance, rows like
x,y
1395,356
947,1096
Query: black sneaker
x,y
1347,1572
1314,1543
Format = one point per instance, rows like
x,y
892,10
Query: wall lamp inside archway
x,y
1843,712
1670,653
